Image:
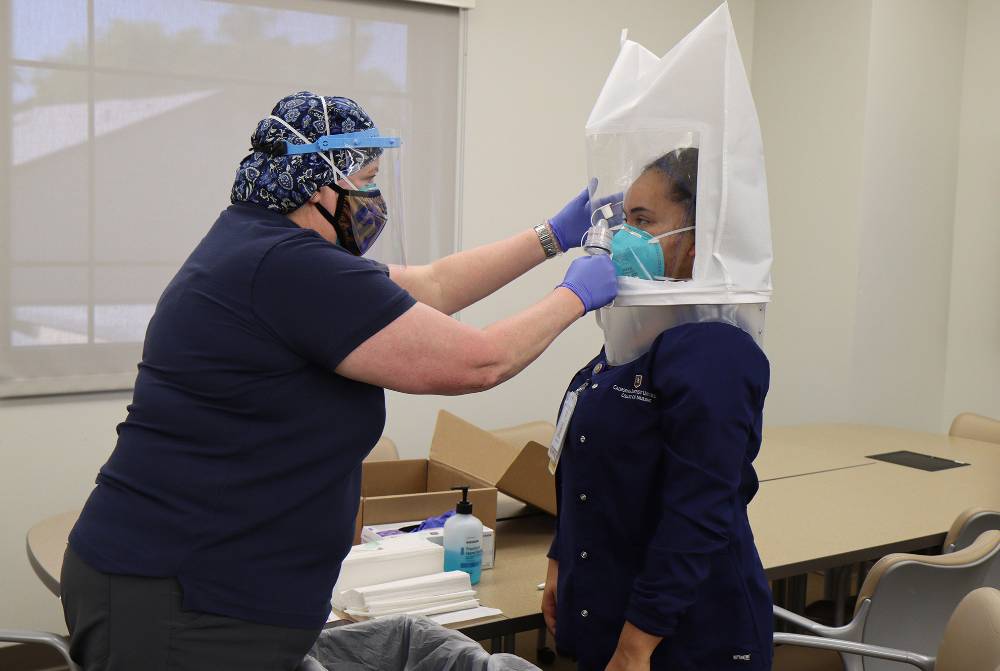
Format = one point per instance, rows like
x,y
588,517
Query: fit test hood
x,y
697,95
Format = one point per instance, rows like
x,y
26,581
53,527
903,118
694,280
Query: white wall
x,y
879,130
809,83
973,356
907,208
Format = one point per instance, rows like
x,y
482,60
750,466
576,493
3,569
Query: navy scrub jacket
x,y
653,485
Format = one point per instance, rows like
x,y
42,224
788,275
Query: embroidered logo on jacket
x,y
635,394
741,658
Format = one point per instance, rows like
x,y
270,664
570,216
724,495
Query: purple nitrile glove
x,y
592,279
572,222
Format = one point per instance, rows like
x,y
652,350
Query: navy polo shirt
x,y
238,468
653,486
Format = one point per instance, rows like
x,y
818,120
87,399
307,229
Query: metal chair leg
x,y
43,637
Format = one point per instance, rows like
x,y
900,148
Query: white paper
x,y
415,601
391,559
420,586
429,610
466,615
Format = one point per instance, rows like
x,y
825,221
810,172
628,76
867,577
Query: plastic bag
x,y
404,644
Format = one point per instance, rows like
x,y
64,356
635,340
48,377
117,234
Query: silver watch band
x,y
547,239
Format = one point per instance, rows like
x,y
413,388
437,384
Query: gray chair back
x,y
969,525
911,597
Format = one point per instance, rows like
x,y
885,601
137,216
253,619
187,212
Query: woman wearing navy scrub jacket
x,y
217,528
654,564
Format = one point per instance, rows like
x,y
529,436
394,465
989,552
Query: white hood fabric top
x,y
696,95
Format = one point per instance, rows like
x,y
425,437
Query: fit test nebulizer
x,y
463,540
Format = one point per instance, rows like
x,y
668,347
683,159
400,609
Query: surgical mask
x,y
360,217
636,253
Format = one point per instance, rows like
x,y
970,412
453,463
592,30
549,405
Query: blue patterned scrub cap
x,y
285,182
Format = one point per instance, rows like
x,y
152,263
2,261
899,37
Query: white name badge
x,y
562,426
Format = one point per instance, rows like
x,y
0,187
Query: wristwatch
x,y
547,239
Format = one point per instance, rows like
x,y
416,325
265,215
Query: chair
x,y
904,603
60,643
968,526
384,450
971,640
975,427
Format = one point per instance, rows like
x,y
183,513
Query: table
x,y
788,452
838,517
821,504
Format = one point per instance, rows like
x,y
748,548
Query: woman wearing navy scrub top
x,y
653,565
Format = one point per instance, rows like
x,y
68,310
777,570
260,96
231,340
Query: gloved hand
x,y
572,222
592,279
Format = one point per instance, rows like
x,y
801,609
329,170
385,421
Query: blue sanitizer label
x,y
468,558
472,556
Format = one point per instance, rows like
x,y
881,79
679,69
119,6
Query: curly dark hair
x,y
680,167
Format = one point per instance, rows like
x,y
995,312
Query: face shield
x,y
369,213
678,138
646,195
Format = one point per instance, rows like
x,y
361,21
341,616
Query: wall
x,y
907,208
972,381
813,143
878,122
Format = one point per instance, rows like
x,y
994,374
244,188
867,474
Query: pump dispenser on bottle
x,y
463,540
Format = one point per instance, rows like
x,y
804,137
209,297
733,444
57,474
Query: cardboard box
x,y
461,453
515,460
372,533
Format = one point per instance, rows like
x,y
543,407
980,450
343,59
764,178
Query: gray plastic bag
x,y
404,643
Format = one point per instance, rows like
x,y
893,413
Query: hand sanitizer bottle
x,y
463,540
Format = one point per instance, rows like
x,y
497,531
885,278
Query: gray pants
x,y
131,623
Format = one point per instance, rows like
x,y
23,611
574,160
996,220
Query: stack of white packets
x,y
423,595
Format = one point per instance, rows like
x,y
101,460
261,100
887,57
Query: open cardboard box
x,y
461,454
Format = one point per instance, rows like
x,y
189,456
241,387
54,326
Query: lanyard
x,y
562,426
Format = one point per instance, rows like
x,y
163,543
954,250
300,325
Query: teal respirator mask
x,y
637,253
